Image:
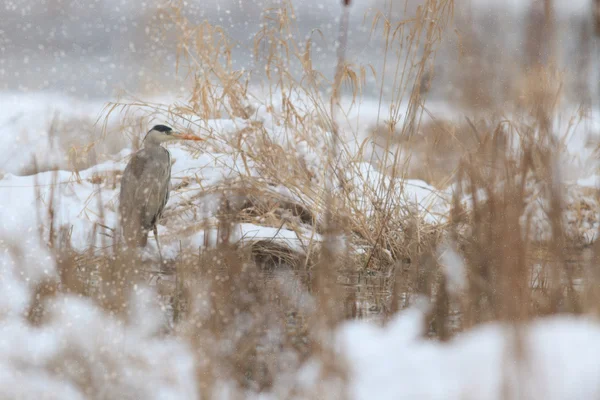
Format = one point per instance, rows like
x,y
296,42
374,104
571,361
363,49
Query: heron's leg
x,y
158,244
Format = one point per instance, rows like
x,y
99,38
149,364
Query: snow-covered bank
x,y
56,129
82,352
82,199
557,360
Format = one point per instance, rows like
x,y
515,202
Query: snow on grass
x,y
27,119
215,163
394,362
89,197
417,195
82,350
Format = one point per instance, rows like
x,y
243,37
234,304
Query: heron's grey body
x,y
145,190
145,186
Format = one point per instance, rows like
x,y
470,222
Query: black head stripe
x,y
162,128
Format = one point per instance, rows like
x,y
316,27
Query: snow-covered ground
x,y
126,360
557,360
53,130
84,352
89,196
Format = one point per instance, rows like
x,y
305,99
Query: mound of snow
x,y
558,361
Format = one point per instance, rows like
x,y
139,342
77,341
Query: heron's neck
x,y
151,142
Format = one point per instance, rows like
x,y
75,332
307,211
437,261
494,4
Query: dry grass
x,y
254,314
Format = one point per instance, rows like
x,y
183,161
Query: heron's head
x,y
162,133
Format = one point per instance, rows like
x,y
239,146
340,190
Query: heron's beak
x,y
183,136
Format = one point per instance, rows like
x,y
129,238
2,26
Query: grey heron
x,y
145,186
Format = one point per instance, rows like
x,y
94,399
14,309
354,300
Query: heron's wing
x,y
131,208
130,182
139,164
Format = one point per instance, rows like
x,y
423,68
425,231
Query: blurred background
x,y
96,49
62,60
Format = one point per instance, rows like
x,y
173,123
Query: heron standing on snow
x,y
145,186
